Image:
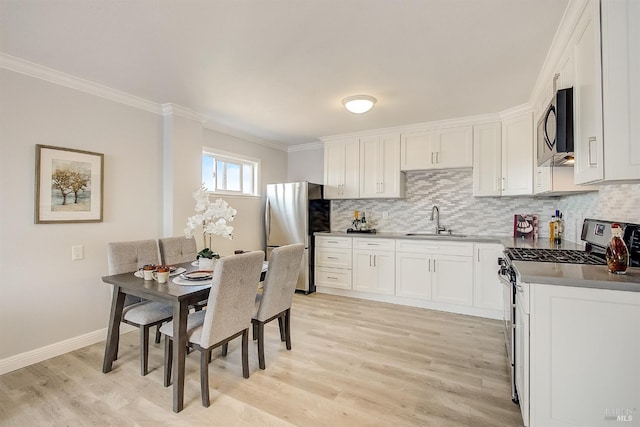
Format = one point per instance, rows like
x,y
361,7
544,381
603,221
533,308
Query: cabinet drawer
x,y
333,278
434,247
333,242
331,257
374,244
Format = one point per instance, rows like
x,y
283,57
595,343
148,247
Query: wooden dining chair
x,y
175,250
227,316
128,257
277,295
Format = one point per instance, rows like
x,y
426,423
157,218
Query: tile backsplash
x,y
452,191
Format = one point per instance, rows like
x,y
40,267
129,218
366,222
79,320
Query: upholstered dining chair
x,y
174,250
125,257
277,295
227,316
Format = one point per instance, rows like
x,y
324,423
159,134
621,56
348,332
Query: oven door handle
x,y
504,280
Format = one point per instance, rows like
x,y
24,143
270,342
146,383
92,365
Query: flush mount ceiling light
x,y
359,104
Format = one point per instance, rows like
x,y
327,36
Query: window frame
x,y
232,158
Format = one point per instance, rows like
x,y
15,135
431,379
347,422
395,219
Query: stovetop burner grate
x,y
564,256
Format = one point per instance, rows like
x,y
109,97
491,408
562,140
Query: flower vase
x,y
206,263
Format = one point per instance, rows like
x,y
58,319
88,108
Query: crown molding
x,y
178,110
305,147
516,111
41,72
439,124
560,41
218,127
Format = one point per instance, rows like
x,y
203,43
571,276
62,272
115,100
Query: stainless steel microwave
x,y
555,131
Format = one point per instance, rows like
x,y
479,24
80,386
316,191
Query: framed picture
x,y
525,226
69,185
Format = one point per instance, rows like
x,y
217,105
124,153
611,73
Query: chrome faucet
x,y
439,229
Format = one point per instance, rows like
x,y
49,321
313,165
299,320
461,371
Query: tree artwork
x,y
67,178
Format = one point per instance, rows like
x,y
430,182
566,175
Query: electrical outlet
x,y
77,252
385,214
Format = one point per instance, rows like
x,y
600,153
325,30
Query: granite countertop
x,y
506,241
581,275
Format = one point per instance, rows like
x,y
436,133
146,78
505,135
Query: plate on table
x,y
197,275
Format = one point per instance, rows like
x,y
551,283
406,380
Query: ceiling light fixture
x,y
359,104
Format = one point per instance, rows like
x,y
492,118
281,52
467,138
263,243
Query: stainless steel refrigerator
x,y
294,211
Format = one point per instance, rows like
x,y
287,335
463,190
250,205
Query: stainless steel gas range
x,y
596,235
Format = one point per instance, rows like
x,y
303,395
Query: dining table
x,y
180,297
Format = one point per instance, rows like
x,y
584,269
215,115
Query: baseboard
x,y
43,353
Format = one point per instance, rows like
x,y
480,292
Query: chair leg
x,y
260,327
117,348
245,353
204,376
144,349
281,326
254,325
287,327
158,334
168,360
225,347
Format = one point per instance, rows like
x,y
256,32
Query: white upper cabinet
x,y
341,169
517,155
437,149
380,175
487,159
607,92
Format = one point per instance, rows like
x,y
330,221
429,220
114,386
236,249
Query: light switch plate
x,y
77,252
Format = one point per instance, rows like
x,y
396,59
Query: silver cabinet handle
x,y
332,278
519,288
434,265
429,264
374,260
592,148
332,257
503,188
432,157
478,254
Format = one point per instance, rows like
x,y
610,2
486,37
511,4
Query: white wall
x,y
45,297
306,165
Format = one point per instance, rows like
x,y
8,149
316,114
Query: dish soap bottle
x,y
617,252
552,226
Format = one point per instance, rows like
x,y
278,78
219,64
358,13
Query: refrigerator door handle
x,y
267,219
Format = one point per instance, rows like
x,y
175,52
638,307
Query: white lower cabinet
x,y
374,265
413,275
583,357
436,274
452,279
487,288
333,262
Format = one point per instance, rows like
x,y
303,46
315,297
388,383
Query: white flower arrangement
x,y
212,217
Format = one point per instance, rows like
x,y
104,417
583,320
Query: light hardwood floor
x,y
353,363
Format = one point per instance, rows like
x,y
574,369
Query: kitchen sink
x,y
444,235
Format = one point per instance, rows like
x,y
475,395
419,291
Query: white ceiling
x,y
277,70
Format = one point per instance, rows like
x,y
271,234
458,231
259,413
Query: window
x,y
230,174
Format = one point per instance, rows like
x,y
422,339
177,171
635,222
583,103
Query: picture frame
x,y
69,185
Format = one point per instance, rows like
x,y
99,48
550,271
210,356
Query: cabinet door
x,y
453,148
621,89
588,97
392,180
351,170
413,275
452,279
333,170
385,268
416,151
364,273
487,159
370,159
487,288
517,155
